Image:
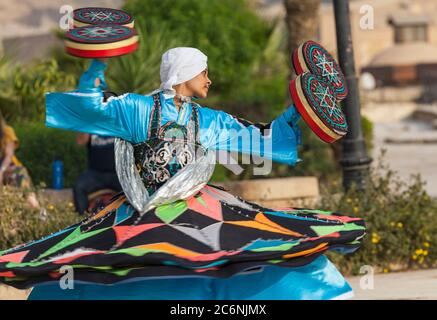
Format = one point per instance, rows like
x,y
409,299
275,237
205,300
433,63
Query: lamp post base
x,y
355,163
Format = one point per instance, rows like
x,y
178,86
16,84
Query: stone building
x,y
411,60
399,48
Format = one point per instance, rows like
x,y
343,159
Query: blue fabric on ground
x,y
319,280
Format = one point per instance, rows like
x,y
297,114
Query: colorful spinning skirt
x,y
213,236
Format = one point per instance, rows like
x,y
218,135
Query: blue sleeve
x,y
277,140
83,109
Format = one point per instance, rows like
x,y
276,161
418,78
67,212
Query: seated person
x,y
12,171
101,169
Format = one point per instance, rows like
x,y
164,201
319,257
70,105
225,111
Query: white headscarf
x,y
179,65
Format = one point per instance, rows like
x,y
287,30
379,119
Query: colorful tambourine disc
x,y
315,100
94,15
312,57
101,41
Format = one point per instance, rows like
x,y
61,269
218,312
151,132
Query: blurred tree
x,y
228,31
302,20
23,88
139,72
5,86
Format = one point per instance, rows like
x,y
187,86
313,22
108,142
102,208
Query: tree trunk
x,y
302,21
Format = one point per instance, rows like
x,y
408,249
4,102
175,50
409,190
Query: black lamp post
x,y
355,161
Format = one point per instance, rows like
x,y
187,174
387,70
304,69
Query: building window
x,y
411,33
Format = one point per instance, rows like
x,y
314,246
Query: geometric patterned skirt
x,y
213,235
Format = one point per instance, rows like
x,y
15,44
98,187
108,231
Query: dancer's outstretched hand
x,y
97,82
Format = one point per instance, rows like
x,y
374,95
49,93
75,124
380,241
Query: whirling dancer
x,y
170,234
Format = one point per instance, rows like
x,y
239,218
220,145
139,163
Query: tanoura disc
x,y
95,15
101,41
312,57
315,100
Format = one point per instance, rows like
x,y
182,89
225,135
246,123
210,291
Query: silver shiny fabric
x,y
185,183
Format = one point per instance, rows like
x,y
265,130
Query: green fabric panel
x,y
169,212
282,247
74,237
324,230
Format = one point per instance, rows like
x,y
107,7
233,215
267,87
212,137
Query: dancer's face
x,y
196,87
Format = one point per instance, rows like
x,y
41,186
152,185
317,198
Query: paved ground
x,y
408,158
414,285
9,293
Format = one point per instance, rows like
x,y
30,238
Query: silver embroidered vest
x,y
168,148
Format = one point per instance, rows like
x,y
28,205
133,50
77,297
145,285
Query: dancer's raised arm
x,y
84,110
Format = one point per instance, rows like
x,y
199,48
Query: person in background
x,y
12,171
101,169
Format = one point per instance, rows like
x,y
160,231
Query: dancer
x,y
170,234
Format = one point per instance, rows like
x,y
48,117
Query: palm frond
x,y
139,72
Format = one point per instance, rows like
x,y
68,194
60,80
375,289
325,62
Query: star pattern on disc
x,y
327,68
100,16
327,100
98,32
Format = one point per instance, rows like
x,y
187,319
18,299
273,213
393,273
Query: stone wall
x,y
279,192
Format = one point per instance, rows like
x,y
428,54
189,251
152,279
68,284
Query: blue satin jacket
x,y
127,117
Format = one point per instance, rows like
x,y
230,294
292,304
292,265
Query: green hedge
x,y
401,220
23,88
41,145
